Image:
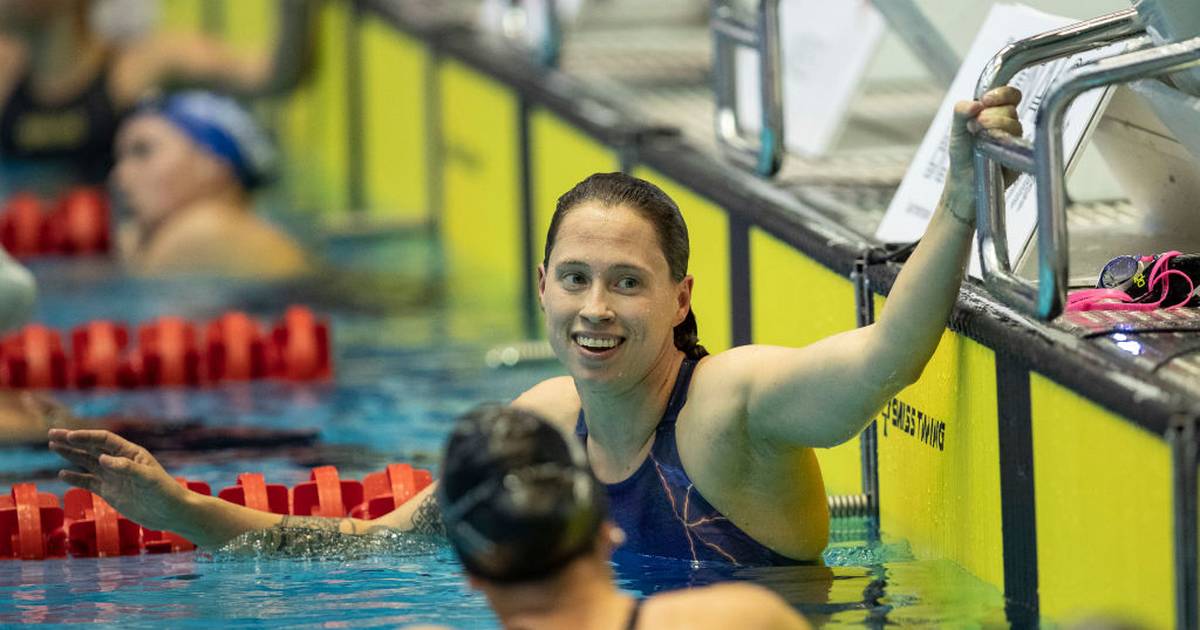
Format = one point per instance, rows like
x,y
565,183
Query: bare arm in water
x,y
132,481
838,383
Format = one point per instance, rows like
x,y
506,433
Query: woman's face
x,y
160,170
610,303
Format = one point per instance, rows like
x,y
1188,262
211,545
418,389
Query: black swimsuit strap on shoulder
x,y
634,614
679,392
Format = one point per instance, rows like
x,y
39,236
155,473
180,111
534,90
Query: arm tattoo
x,y
428,518
320,537
319,523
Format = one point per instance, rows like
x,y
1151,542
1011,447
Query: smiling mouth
x,y
596,343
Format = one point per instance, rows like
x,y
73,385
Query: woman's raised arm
x,y
837,384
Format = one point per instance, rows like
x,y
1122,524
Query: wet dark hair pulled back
x,y
618,189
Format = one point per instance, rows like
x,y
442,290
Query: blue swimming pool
x,y
400,380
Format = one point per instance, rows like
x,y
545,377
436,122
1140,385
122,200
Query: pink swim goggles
x,y
1137,283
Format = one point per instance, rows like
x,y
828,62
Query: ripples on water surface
x,y
401,379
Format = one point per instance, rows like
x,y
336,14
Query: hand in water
x,y
996,112
122,473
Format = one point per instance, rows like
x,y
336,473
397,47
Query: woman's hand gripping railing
x,y
1043,157
729,33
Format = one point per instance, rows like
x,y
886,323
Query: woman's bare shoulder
x,y
555,399
728,605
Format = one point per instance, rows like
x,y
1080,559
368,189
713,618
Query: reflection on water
x,y
401,379
872,584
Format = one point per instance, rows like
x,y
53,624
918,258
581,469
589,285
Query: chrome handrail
x,y
765,156
995,149
1044,158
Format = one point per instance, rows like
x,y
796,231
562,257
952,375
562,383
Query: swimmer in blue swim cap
x,y
187,165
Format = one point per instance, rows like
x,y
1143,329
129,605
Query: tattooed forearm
x,y
428,518
316,522
316,537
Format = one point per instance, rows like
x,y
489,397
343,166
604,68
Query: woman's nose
x,y
596,307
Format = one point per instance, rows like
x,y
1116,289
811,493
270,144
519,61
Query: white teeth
x,y
592,342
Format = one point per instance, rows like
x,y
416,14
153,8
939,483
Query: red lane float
x,y
78,224
326,494
237,349
387,490
22,226
169,351
95,529
33,358
154,541
33,525
301,344
98,349
168,354
254,492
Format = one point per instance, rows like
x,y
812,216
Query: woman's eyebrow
x,y
572,264
616,268
629,267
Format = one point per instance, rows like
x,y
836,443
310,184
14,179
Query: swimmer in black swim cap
x,y
529,522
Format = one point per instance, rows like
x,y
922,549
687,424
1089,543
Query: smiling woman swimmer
x,y
703,457
70,69
187,166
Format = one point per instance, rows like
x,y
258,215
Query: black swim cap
x,y
517,496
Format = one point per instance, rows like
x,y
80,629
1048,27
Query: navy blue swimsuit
x,y
663,514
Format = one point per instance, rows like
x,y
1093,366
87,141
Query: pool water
x,y
400,381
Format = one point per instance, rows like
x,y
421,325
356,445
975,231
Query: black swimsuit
x,y
78,133
634,614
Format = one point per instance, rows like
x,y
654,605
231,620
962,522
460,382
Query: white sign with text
x,y
826,47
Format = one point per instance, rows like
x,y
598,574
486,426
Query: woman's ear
x,y
541,285
683,299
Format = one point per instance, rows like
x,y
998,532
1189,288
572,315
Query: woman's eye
x,y
628,283
140,150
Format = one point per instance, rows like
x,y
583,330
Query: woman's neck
x,y
583,596
197,218
621,422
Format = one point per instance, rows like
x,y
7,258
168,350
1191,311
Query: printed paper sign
x,y
826,47
919,192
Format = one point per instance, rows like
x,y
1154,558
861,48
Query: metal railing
x,y
1044,156
730,32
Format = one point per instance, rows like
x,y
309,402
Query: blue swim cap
x,y
222,127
